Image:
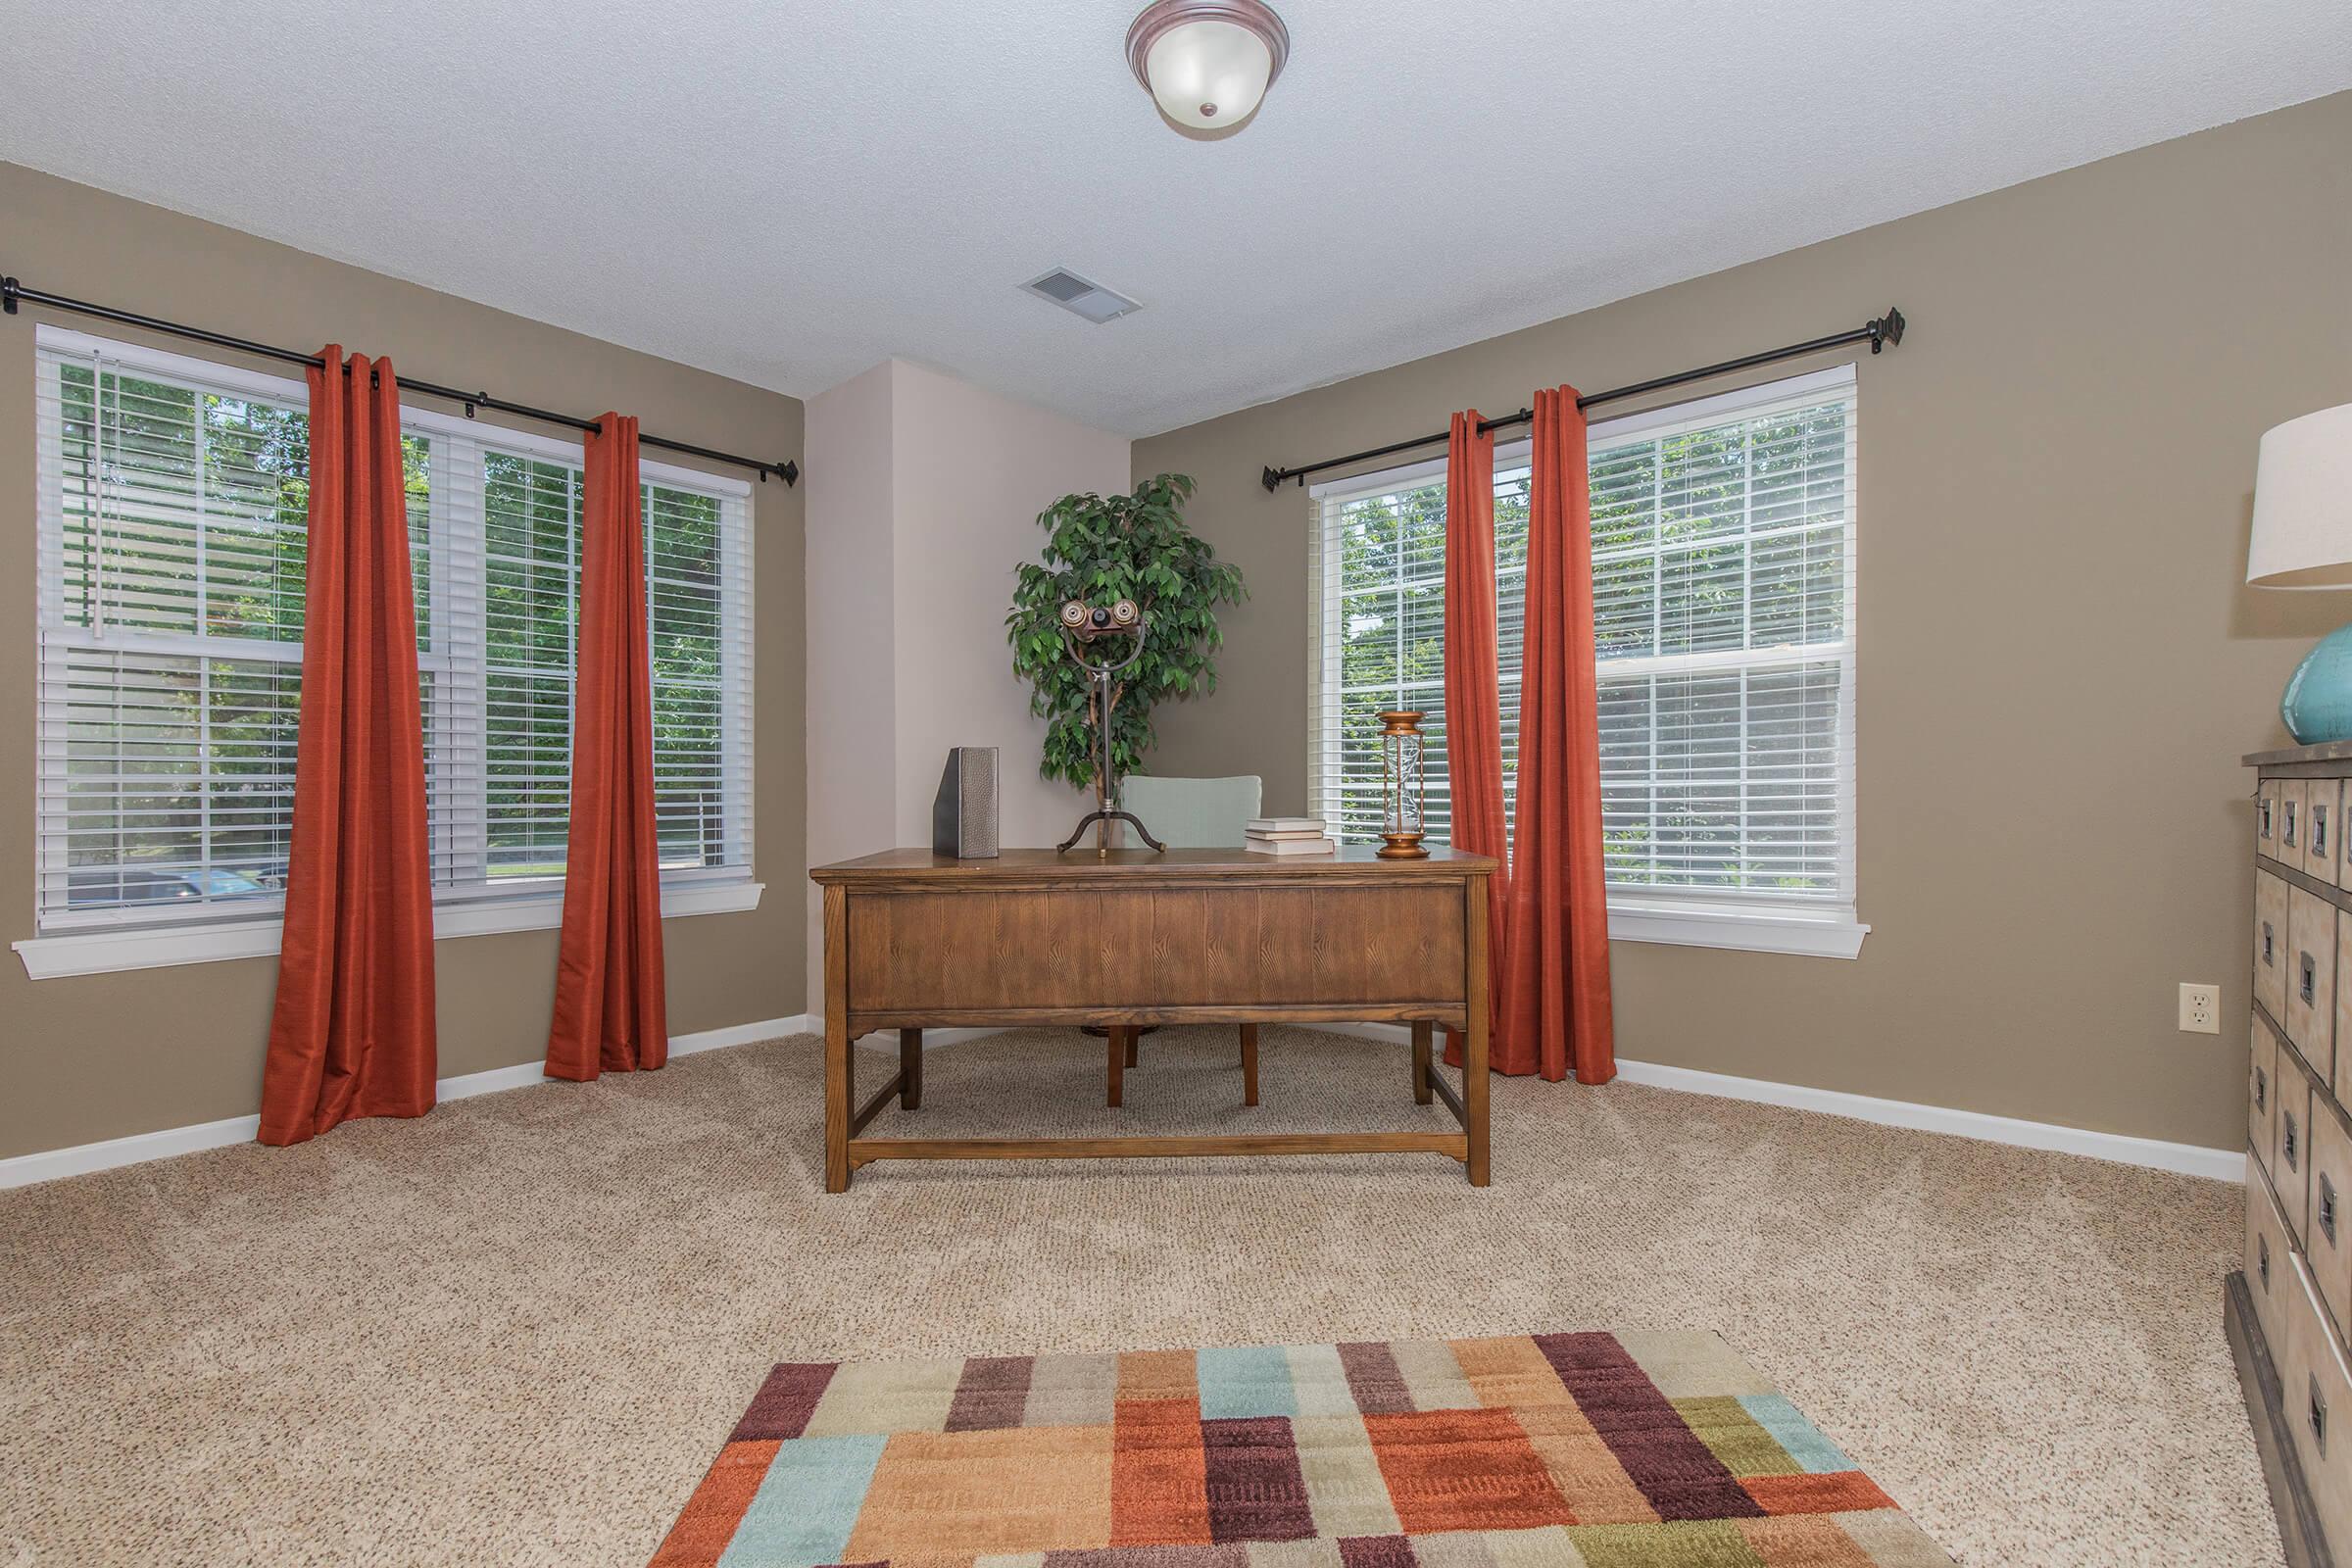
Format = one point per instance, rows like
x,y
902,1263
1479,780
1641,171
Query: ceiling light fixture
x,y
1208,63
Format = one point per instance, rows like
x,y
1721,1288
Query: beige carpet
x,y
516,1330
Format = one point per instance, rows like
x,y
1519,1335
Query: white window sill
x,y
106,952
1829,934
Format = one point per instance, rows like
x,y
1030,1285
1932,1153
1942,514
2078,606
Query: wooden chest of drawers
x,y
2289,1312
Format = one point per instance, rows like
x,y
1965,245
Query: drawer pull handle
x,y
2286,824
2262,1261
2309,978
2288,1139
2319,830
2263,814
2262,1090
2269,942
2327,1209
2318,1418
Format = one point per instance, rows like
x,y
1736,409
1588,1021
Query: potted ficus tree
x,y
1100,549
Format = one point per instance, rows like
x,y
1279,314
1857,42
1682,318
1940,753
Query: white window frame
x,y
110,940
1757,923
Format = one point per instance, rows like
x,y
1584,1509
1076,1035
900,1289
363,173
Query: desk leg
x,y
841,1085
911,1069
1249,1064
1474,1046
1422,1030
1116,1095
1473,1098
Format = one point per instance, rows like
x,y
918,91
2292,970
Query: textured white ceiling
x,y
787,193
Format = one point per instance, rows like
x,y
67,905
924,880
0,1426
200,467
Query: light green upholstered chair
x,y
1192,814
1197,813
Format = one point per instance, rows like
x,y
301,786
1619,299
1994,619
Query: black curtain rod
x,y
13,293
1877,332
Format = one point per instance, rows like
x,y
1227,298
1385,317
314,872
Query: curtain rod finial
x,y
1271,479
7,295
1887,328
791,472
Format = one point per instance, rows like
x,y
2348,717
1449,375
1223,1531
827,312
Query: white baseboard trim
x,y
2187,1159
743,1034
54,1163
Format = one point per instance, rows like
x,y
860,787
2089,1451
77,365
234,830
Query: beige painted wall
x,y
106,1055
851,656
971,472
2059,666
924,492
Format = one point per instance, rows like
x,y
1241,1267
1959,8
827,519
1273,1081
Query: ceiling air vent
x,y
1071,292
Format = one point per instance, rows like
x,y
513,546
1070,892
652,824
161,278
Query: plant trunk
x,y
1103,771
1101,794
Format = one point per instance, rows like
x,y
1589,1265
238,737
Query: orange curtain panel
x,y
1554,1011
611,1013
352,1032
1473,684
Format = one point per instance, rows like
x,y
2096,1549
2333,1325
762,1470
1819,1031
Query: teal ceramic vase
x,y
2318,704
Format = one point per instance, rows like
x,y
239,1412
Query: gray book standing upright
x,y
964,814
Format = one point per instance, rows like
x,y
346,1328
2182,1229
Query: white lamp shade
x,y
2303,504
1208,74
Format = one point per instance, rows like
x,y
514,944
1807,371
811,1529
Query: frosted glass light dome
x,y
1208,63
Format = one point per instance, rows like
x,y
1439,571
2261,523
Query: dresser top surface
x,y
1085,864
2326,751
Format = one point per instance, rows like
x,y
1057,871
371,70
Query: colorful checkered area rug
x,y
1605,1451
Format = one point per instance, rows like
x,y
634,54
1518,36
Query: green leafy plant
x,y
1104,548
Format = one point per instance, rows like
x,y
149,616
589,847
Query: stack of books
x,y
1286,835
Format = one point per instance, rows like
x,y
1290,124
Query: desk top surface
x,y
1085,864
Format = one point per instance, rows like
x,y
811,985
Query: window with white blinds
x,y
1723,565
174,499
1379,559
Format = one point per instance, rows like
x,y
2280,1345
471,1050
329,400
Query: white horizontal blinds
x,y
174,543
166,783
1385,576
697,603
1723,538
1322,655
445,517
1382,562
173,503
1723,588
169,587
531,559
1513,483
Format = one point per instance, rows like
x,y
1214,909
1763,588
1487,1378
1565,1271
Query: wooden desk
x,y
915,940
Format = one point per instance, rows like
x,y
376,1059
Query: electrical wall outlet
x,y
2200,1009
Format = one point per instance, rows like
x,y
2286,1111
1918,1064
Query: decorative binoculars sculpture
x,y
1086,623
1082,626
